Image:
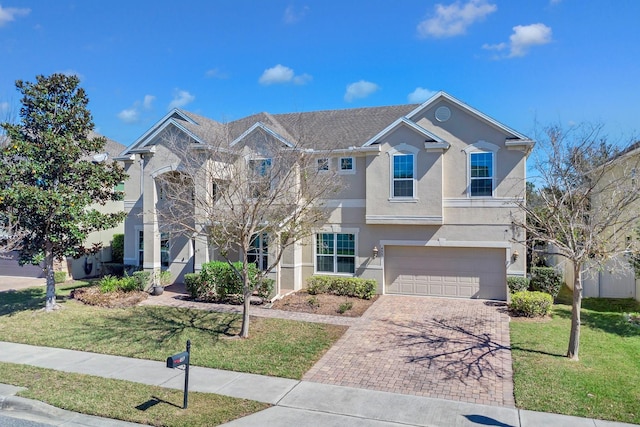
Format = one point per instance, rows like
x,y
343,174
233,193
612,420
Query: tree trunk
x,y
247,292
574,339
51,284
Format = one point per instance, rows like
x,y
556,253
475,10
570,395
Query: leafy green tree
x,y
47,174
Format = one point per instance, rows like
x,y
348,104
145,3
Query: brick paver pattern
x,y
436,347
454,349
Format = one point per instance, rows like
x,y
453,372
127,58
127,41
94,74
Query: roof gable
x,y
403,121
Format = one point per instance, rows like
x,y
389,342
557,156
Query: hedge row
x,y
345,286
219,282
543,279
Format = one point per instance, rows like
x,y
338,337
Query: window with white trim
x,y
259,251
165,250
260,177
323,164
347,165
335,253
481,174
140,248
403,175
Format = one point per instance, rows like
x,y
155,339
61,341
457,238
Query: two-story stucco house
x,y
427,207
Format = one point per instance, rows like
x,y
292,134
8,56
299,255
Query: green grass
x,y
276,347
604,384
125,400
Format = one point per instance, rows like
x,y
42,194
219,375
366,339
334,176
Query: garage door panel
x,y
451,272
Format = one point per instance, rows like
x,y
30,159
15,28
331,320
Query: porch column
x,y
151,260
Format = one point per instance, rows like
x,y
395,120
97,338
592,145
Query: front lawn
x,y
604,384
124,400
276,347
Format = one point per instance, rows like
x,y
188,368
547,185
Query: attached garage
x,y
446,272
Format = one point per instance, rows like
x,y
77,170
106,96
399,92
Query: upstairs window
x,y
260,177
347,165
323,164
403,175
481,174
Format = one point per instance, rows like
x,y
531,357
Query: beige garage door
x,y
448,272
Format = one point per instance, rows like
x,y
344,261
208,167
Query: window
x,y
335,253
259,251
403,182
323,164
481,174
165,253
260,171
140,248
347,165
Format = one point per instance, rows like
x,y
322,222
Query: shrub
x,y
114,284
318,284
531,304
218,281
108,284
164,277
265,288
517,283
143,280
345,306
59,276
117,249
546,279
192,283
128,284
345,286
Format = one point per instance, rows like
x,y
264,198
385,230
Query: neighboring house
x,y
85,266
617,278
92,265
428,205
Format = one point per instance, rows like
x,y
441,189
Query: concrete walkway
x,y
299,403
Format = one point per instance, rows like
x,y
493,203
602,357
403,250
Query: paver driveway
x,y
436,347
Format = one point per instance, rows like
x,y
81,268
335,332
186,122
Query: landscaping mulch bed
x,y
117,299
328,304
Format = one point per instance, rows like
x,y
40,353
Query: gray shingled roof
x,y
330,129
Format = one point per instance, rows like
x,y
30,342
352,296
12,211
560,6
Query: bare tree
x,y
586,204
230,193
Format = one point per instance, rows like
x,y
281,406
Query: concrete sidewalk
x,y
299,403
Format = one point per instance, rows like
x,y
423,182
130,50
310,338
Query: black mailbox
x,y
178,359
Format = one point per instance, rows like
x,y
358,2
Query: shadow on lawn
x,y
455,348
25,299
607,321
166,324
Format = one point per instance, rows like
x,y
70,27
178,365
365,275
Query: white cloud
x,y
10,13
291,15
147,103
522,39
454,19
71,72
215,73
420,95
132,115
180,99
360,89
129,115
281,74
4,107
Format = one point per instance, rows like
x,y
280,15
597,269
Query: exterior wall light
x,y
375,252
515,255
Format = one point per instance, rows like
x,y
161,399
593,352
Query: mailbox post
x,y
181,359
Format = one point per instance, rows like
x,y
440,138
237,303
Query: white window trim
x,y
403,149
334,231
139,229
250,159
168,239
482,147
260,252
328,160
351,171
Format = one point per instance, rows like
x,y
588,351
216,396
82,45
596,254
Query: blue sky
x,y
520,62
